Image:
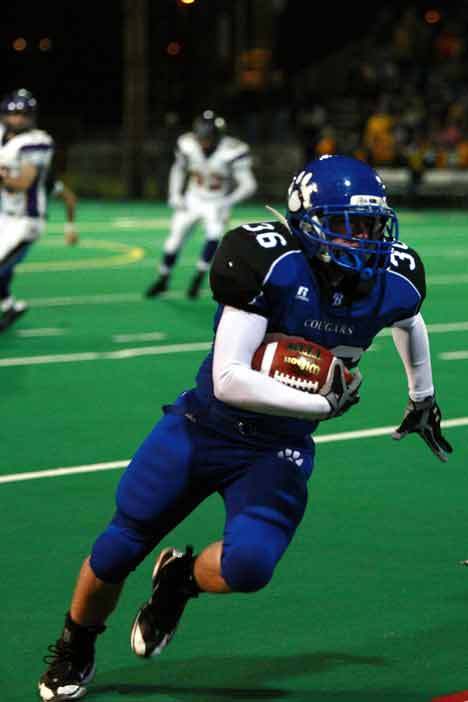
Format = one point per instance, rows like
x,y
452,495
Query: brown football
x,y
294,361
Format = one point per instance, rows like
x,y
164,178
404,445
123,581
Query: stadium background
x,y
370,602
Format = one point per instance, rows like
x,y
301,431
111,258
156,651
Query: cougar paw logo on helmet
x,y
295,362
300,191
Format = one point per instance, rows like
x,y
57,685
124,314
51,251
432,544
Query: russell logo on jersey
x,y
302,293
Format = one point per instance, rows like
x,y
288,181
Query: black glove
x,y
424,419
340,396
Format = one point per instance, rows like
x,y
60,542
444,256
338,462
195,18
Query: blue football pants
x,y
179,465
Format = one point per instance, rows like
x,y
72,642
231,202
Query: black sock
x,y
76,633
177,578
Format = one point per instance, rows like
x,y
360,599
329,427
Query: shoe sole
x,y
167,555
79,692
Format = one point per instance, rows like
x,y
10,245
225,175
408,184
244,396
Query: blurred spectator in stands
x,y
452,130
326,143
462,153
379,140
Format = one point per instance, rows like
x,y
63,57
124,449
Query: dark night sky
x,y
81,72
81,78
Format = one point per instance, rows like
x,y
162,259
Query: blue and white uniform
x,y
203,187
243,434
23,213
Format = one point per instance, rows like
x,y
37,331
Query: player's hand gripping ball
x,y
294,361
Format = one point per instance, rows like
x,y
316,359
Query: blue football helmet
x,y
19,101
337,207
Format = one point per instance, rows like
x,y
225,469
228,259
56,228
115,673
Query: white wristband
x,y
69,228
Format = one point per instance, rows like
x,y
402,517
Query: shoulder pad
x,y
244,258
406,262
32,138
234,150
40,135
234,145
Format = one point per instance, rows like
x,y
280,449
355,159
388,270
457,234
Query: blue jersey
x,y
261,268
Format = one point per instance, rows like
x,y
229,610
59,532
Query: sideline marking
x,y
124,254
112,465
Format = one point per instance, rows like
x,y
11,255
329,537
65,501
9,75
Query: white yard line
x,y
44,331
454,279
105,299
145,336
439,328
56,472
113,465
121,222
183,348
105,355
453,355
381,431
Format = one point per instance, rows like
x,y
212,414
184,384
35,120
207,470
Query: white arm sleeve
x,y
176,181
238,336
412,343
246,185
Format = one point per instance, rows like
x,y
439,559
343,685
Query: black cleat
x,y
173,585
195,286
159,286
70,664
12,314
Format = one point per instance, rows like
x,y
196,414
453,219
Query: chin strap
x,y
281,218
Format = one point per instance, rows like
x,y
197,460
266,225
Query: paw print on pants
x,y
291,455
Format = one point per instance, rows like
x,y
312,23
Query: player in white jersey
x,y
211,172
25,156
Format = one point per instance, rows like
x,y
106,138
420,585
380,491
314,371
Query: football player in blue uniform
x,y
332,271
